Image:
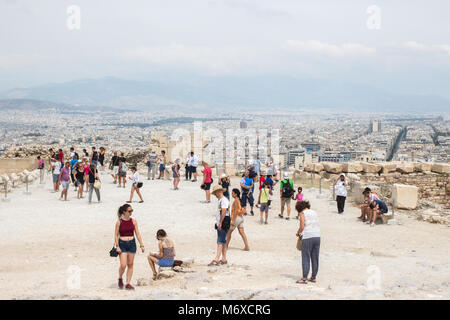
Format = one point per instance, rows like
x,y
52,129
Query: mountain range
x,y
202,94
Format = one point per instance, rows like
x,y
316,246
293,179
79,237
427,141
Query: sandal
x,y
141,201
128,201
213,263
312,280
223,262
302,281
155,276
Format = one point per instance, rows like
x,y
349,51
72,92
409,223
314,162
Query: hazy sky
x,y
146,39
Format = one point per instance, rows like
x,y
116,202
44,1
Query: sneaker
x,y
287,218
120,284
251,212
372,224
265,222
129,287
280,216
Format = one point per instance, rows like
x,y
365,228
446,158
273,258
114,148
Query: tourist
x,y
257,165
246,188
72,152
136,185
264,202
223,222
151,158
225,183
85,154
50,158
188,167
162,164
365,207
122,171
341,192
286,193
64,180
126,228
114,166
79,179
176,174
56,170
73,163
298,198
94,157
193,164
61,157
377,207
237,220
40,167
165,256
207,180
261,184
86,172
271,184
310,232
92,178
101,158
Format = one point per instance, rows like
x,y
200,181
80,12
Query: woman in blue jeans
x,y
310,231
166,255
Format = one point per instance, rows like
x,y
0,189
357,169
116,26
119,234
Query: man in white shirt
x,y
151,164
223,223
341,192
194,164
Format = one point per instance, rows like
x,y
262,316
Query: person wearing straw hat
x,y
223,222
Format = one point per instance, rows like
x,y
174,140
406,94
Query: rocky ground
x,y
59,250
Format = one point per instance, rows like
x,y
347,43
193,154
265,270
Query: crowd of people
x,y
83,172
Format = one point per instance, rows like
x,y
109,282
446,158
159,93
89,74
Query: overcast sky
x,y
146,39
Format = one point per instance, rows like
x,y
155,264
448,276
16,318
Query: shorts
x,y
55,177
264,207
207,185
137,185
65,184
238,223
80,182
162,167
116,169
286,201
122,174
222,236
165,262
193,169
127,246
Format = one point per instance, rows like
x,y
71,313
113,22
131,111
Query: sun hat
x,y
217,188
223,175
286,175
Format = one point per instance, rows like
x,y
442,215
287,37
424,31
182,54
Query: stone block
x,y
422,167
332,167
371,168
388,167
405,168
440,168
405,196
352,167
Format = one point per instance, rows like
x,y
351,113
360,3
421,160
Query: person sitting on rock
x,y
166,255
377,207
365,209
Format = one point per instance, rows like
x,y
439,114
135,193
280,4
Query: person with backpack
x,y
94,157
286,193
123,168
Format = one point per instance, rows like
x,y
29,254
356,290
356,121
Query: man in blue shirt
x,y
246,188
378,207
73,162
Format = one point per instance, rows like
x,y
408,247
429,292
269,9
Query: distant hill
x,y
231,94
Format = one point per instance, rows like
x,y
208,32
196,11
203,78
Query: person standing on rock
x,y
223,223
237,220
341,192
286,192
126,228
309,230
166,255
64,180
136,185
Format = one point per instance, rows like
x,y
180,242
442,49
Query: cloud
x,y
420,47
337,50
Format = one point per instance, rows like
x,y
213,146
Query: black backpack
x,y
287,190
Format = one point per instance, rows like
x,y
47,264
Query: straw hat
x,y
217,188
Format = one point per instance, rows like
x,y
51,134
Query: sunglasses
x,y
131,210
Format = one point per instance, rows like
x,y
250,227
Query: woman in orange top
x,y
237,220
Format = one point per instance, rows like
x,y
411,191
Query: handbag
x,y
140,184
299,243
97,185
113,252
